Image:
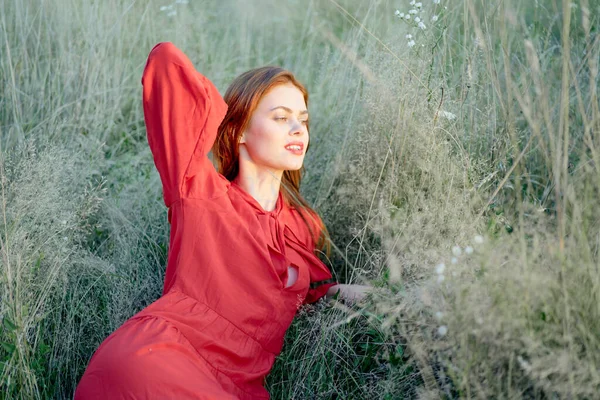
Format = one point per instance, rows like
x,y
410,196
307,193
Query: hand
x,y
353,293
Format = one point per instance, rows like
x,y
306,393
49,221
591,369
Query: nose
x,y
298,128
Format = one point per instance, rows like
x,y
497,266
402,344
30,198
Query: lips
x,y
299,151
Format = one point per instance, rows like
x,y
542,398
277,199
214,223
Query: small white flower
x,y
478,239
524,364
454,260
447,115
469,250
421,25
409,36
441,278
439,315
412,3
434,18
413,11
456,250
442,330
397,13
417,19
65,238
163,8
401,15
407,17
172,13
64,222
411,43
436,1
439,269
418,5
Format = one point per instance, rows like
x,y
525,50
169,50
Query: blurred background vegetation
x,y
456,165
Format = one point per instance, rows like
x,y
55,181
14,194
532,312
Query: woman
x,y
241,256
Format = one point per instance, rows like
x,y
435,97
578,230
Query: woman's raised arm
x,y
182,111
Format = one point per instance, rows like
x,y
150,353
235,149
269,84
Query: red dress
x,y
225,308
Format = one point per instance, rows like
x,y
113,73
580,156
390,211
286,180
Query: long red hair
x,y
242,98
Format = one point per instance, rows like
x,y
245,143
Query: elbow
x,y
160,58
161,54
161,50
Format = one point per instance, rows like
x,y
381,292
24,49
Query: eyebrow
x,y
288,110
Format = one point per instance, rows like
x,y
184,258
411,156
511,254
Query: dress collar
x,y
256,205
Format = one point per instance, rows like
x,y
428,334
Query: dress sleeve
x,y
182,112
321,278
315,294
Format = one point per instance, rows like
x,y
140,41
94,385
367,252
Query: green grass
x,y
487,126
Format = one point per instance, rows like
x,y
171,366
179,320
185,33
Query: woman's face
x,y
279,120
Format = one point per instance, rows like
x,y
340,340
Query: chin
x,y
293,167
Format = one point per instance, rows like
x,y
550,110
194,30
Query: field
x,y
455,160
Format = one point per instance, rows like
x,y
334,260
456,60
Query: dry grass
x,y
487,126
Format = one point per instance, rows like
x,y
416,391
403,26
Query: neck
x,y
261,183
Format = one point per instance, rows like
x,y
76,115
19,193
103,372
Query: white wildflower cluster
x,y
440,269
457,252
416,16
170,9
442,329
524,364
447,115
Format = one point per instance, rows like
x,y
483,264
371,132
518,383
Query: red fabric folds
x,y
220,324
